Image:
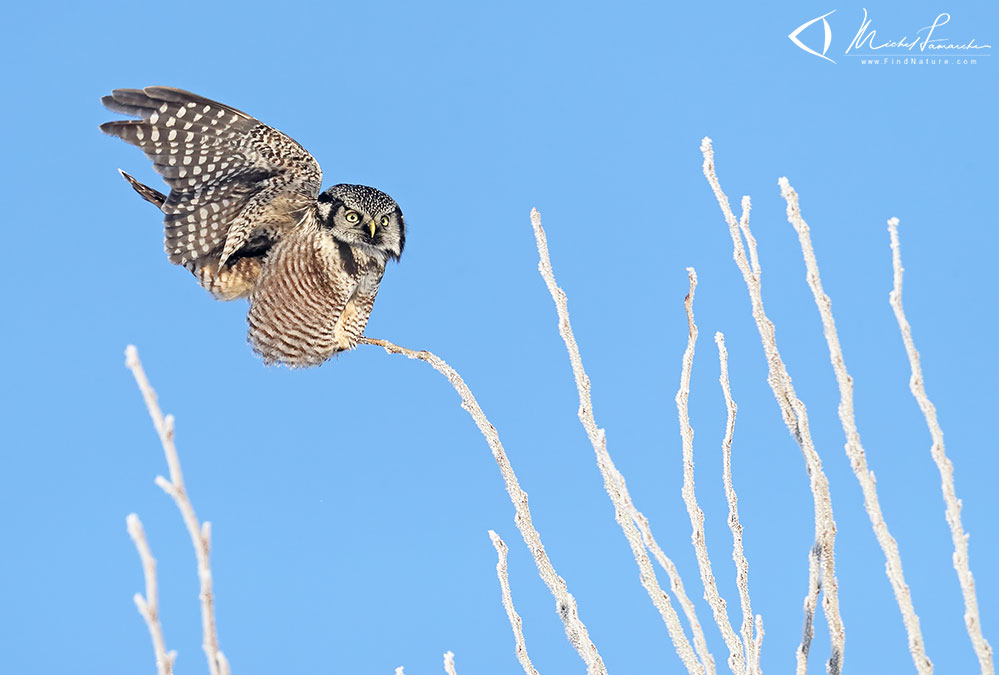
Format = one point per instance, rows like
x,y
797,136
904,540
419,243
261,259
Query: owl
x,y
246,217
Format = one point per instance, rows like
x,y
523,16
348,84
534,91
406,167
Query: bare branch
x,y
738,556
754,258
810,603
736,661
200,533
854,449
821,556
224,668
953,505
148,606
516,623
632,522
565,604
759,644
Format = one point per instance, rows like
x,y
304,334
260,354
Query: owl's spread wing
x,y
228,172
298,300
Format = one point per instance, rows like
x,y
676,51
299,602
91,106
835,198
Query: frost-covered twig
x,y
953,505
200,533
758,643
738,555
516,623
632,522
822,554
854,449
148,606
565,604
736,660
449,663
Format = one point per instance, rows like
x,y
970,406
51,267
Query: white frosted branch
x,y
854,449
449,663
738,555
953,505
822,554
398,671
200,533
565,604
758,644
516,623
148,606
224,668
810,603
736,660
631,521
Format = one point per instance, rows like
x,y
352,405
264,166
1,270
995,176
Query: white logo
x,y
825,47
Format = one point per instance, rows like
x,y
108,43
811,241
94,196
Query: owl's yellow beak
x,y
371,226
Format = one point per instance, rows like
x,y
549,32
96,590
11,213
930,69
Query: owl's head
x,y
363,216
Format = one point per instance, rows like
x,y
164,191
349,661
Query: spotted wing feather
x,y
228,173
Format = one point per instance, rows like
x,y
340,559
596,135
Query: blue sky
x,y
350,503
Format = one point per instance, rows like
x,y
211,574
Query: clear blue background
x,y
350,503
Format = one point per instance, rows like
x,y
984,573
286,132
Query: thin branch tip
x,y
854,448
961,561
516,623
575,630
632,522
217,664
795,418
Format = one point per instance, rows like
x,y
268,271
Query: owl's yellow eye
x,y
385,221
353,217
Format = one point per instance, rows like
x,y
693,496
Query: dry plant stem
x,y
224,668
758,644
676,583
738,555
736,660
565,604
449,663
516,623
821,556
811,602
854,449
200,533
148,606
953,505
632,522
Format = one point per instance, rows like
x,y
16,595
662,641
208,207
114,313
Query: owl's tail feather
x,y
149,194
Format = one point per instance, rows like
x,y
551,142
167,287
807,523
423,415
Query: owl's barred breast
x,y
313,298
354,318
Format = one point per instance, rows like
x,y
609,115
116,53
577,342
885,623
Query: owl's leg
x,y
236,280
350,324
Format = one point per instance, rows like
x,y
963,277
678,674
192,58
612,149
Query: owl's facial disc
x,y
353,225
364,217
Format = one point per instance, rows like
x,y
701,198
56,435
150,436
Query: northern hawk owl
x,y
245,215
